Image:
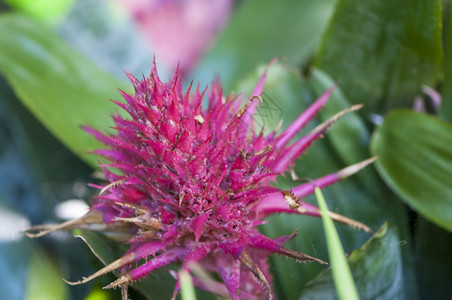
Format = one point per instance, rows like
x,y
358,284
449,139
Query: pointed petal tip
x,y
350,222
108,268
358,106
42,231
323,127
90,217
245,259
74,282
120,281
110,185
350,170
301,257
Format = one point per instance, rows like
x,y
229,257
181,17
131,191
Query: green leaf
x,y
159,285
376,267
261,30
342,277
445,111
42,9
433,261
50,286
416,162
381,52
62,89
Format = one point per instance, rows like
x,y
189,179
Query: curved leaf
x,y
416,162
383,51
376,267
61,87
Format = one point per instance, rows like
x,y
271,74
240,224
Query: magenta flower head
x,y
192,185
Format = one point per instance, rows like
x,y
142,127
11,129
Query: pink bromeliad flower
x,y
192,185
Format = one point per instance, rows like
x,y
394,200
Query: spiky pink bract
x,y
194,184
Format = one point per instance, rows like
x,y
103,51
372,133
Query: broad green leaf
x,y
44,279
62,89
342,277
159,285
376,267
381,52
433,261
416,162
445,111
261,30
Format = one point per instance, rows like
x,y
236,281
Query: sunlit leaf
x,y
98,294
416,162
43,9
